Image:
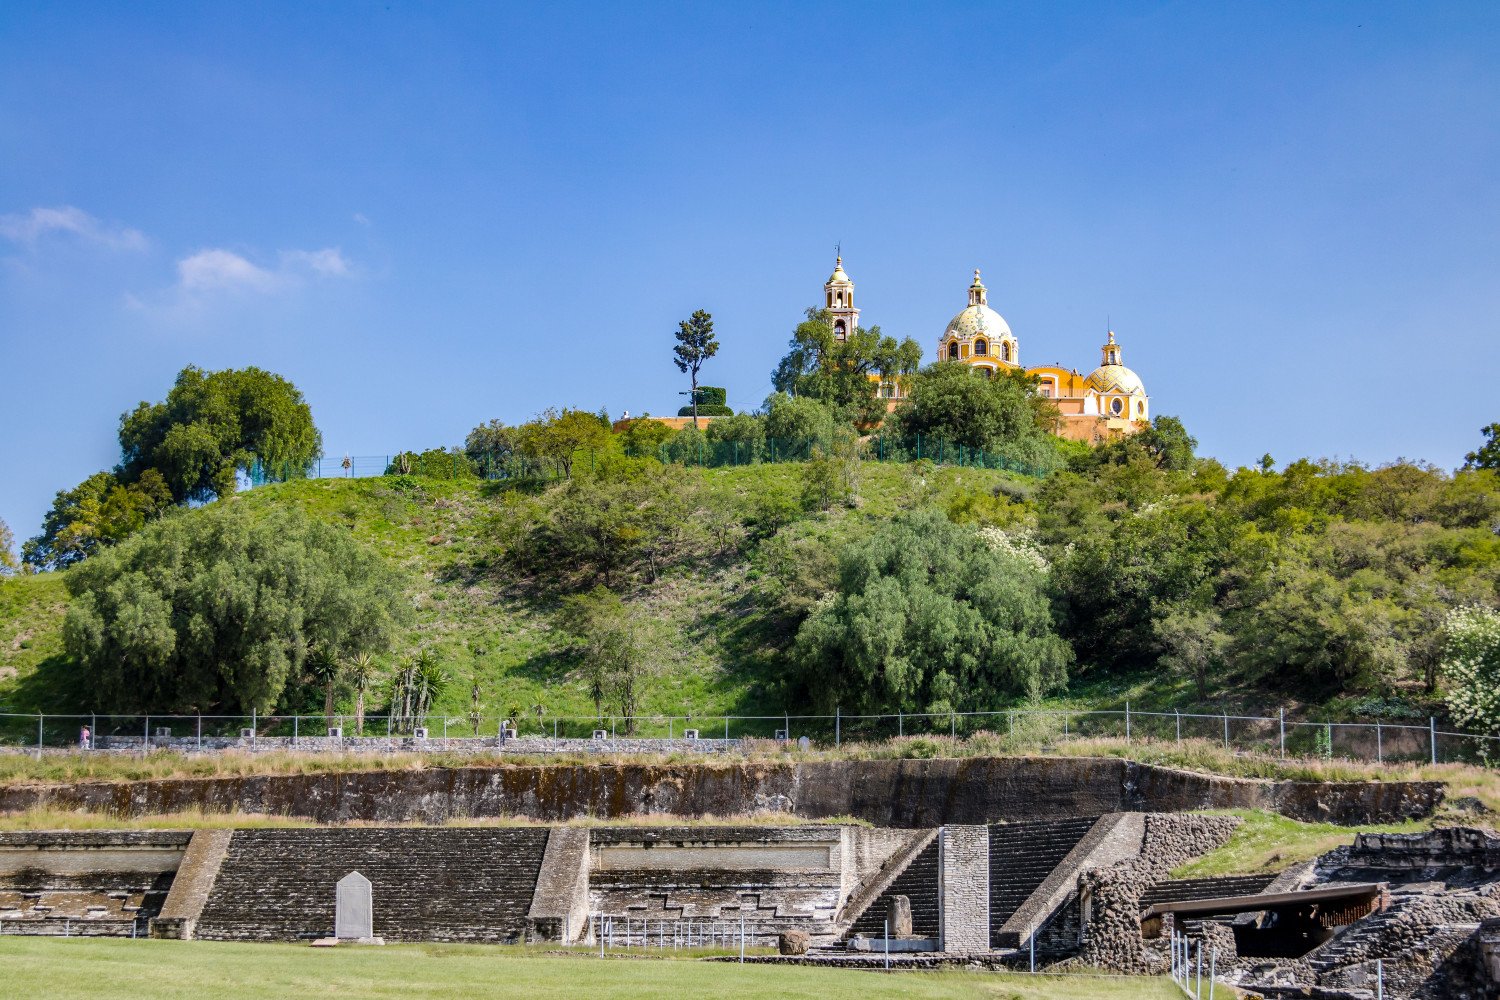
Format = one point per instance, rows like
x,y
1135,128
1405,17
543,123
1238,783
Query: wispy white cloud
x,y
328,262
30,228
216,270
217,273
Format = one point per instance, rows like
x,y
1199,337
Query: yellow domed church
x,y
1108,401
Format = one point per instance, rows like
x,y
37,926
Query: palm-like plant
x,y
361,674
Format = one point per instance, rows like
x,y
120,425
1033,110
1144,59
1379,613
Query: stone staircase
x,y
1185,889
918,883
1022,855
1350,944
99,904
428,884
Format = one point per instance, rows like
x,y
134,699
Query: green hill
x,y
491,625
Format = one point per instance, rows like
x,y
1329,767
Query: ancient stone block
x,y
793,942
898,915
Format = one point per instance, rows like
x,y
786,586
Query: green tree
x,y
931,617
1471,666
613,642
213,425
837,372
414,690
1115,576
361,672
1193,642
557,436
738,439
489,446
97,513
951,405
797,423
695,345
831,475
643,437
8,562
1487,456
219,609
435,463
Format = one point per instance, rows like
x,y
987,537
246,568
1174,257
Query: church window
x,y
953,351
1046,388
839,329
1116,406
980,347
1004,351
987,372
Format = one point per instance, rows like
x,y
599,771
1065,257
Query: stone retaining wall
x,y
889,793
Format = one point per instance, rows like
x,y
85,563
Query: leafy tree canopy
x,y
837,372
491,445
556,436
695,345
8,563
1488,454
214,423
929,616
220,609
96,513
951,403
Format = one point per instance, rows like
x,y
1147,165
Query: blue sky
x,y
429,215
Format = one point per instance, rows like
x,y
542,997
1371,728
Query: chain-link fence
x,y
697,451
1036,729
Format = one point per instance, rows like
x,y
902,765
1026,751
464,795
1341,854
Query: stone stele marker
x,y
354,912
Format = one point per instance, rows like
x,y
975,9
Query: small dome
x,y
976,320
838,273
1115,379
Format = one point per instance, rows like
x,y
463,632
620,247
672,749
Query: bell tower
x,y
838,301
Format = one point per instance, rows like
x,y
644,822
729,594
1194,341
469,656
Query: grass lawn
x,y
202,970
1267,842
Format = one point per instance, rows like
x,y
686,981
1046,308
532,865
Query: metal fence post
x,y
1432,730
726,729
1127,722
1178,713
200,730
1281,714
294,729
1379,748
1226,730
39,732
900,723
836,725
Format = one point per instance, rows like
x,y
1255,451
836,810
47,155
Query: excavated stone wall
x,y
888,793
1112,935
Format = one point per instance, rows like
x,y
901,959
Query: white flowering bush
x,y
1471,666
1021,543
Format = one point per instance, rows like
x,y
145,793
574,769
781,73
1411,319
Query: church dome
x,y
978,319
1115,379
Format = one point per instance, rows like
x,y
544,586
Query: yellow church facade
x,y
1109,401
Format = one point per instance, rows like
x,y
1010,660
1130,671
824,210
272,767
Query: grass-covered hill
x,y
1326,589
494,624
